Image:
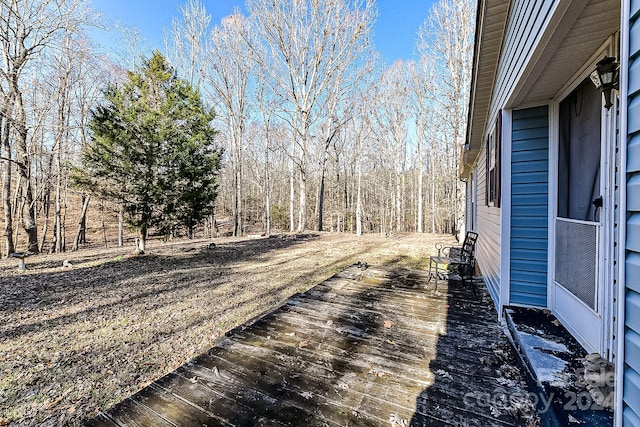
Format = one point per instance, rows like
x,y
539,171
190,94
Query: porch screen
x,y
579,153
576,259
577,227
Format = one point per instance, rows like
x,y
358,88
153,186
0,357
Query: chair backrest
x,y
469,245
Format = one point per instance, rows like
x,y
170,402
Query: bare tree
x,y
309,43
360,130
91,76
185,42
229,73
267,107
27,28
446,37
422,92
64,81
391,124
132,45
7,166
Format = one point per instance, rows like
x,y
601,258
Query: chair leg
x,y
436,288
433,272
469,276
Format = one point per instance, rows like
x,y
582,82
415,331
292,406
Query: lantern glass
x,y
606,77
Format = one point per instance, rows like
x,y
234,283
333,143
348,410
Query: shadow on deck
x,y
369,346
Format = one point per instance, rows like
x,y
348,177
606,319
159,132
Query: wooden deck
x,y
369,346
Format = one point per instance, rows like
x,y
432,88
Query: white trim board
x,y
505,211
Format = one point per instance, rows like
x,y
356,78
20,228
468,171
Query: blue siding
x,y
529,206
631,412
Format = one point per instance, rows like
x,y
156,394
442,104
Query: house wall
x,y
526,22
631,412
488,225
529,206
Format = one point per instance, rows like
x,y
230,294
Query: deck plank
x,y
364,347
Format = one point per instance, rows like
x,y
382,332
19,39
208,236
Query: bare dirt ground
x,y
75,340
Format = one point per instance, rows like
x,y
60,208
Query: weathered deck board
x,y
365,347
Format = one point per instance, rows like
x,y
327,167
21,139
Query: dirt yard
x,y
77,339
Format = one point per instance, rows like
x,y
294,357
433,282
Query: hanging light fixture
x,y
605,78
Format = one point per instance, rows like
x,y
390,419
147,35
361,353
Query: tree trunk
x,y
47,210
121,227
321,191
141,240
18,204
267,187
433,192
302,212
237,194
58,213
302,185
82,223
359,199
292,194
59,146
420,208
6,188
104,225
24,169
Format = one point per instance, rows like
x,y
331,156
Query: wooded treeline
x,y
317,133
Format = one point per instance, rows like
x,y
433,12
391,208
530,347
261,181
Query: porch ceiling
x,y
576,38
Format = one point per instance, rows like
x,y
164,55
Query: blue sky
x,y
395,30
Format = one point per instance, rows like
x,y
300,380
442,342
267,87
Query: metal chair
x,y
454,260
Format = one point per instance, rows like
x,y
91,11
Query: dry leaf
x,y
397,421
375,371
388,324
443,373
303,344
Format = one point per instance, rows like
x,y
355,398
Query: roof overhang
x,y
575,32
491,22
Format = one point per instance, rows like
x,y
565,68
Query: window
x,y
494,149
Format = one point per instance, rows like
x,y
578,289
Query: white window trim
x,y
491,163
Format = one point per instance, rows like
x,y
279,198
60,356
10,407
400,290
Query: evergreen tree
x,y
152,150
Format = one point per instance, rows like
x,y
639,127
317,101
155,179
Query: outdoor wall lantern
x,y
605,78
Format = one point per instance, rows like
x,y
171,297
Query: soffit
x,y
562,60
490,28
